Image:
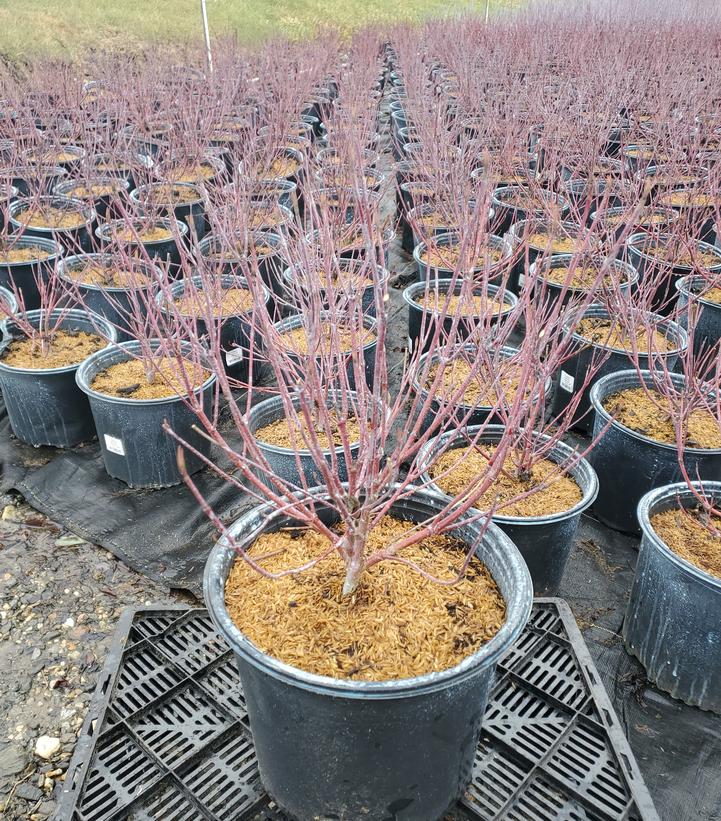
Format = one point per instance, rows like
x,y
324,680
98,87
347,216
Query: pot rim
x,y
88,212
293,321
670,324
517,613
534,270
281,451
72,313
636,242
644,512
684,285
495,242
509,299
589,493
84,384
599,392
29,240
66,262
103,231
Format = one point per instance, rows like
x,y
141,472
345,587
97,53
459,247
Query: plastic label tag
x,y
567,382
521,280
114,445
234,356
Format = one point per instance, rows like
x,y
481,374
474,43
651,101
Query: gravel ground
x,y
60,600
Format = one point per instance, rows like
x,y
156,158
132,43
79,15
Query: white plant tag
x,y
114,445
521,280
234,356
410,345
567,382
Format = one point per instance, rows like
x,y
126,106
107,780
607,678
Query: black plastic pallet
x,y
167,736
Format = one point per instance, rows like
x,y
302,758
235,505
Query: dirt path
x,y
60,599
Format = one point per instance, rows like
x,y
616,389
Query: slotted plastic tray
x,y
167,736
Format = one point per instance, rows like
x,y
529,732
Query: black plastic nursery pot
x,y
553,292
72,239
191,213
706,313
674,610
495,272
523,251
614,222
630,464
31,179
284,462
422,320
342,293
573,372
162,250
344,749
545,542
229,260
465,415
82,190
702,217
507,213
235,330
369,349
45,406
133,444
8,194
8,301
664,301
113,303
24,275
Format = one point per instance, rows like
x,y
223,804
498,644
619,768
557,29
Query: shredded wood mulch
x,y
397,624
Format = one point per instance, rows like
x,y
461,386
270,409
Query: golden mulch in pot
x,y
449,256
283,167
108,276
153,233
461,304
396,625
266,217
97,190
173,193
556,245
54,157
50,217
712,295
647,412
609,334
485,389
284,434
66,348
296,339
688,198
232,301
643,220
683,256
690,534
466,465
192,173
524,202
28,253
583,277
128,379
